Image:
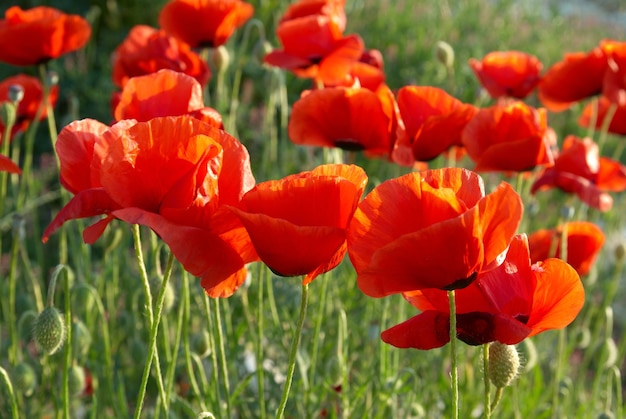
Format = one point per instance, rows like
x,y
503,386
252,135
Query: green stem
x,y
486,381
453,361
319,318
67,361
153,334
222,354
9,386
259,347
294,351
497,398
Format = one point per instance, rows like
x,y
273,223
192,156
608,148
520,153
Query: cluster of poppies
x,y
167,163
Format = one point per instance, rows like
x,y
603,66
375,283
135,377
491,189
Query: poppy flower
x,y
507,73
601,109
614,83
509,137
30,103
507,304
576,77
172,174
433,120
40,34
164,93
367,72
204,23
334,9
7,165
579,169
147,50
334,117
313,47
434,229
584,242
298,224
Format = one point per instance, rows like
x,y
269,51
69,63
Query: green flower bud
x,y
201,344
444,53
81,338
16,93
504,364
8,114
49,330
25,378
77,378
220,58
620,252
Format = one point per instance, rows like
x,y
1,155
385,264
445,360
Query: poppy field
x,y
311,209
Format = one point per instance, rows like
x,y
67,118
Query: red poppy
x,y
334,9
512,137
507,73
601,109
313,47
579,169
7,165
507,304
173,174
334,117
164,93
434,229
578,76
614,83
147,50
40,34
367,72
584,242
30,103
204,23
298,224
433,120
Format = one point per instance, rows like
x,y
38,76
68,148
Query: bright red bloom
x,y
578,76
512,137
579,169
348,118
433,120
313,47
173,174
507,73
298,224
434,229
507,304
614,83
584,242
40,34
334,9
147,50
602,108
27,108
164,93
204,23
7,165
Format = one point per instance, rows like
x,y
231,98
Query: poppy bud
x,y
77,380
201,344
49,330
81,338
503,364
606,415
261,49
619,252
25,379
16,93
7,114
25,325
444,53
220,58
611,351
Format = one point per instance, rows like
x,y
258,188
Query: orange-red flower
x,y
512,137
314,47
40,34
614,83
602,109
578,76
298,224
579,169
204,23
164,93
350,118
433,120
334,9
507,304
434,229
584,242
507,73
31,101
173,174
147,50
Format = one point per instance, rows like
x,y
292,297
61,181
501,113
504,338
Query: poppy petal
x,y
427,330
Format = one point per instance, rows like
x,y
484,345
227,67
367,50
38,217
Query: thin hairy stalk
x,y
12,398
486,381
219,336
453,356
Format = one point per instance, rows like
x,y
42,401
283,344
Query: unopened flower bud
x,y
201,344
16,93
81,338
76,380
503,364
444,53
620,252
25,325
25,379
8,114
49,330
261,49
220,58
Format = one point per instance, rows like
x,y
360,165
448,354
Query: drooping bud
x,y
76,380
49,330
201,344
220,58
503,364
25,378
620,252
444,53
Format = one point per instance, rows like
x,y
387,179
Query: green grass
x,y
343,368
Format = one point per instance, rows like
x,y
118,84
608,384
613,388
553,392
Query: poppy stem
x,y
453,364
487,381
10,392
294,351
219,337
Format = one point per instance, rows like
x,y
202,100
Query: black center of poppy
x,y
349,144
461,283
475,328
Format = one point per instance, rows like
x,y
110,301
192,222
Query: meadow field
x,y
107,309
